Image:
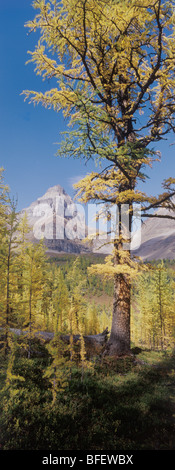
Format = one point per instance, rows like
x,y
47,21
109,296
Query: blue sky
x,y
28,134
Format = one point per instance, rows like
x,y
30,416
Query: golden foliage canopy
x,y
112,66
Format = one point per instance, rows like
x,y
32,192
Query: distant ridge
x,y
158,237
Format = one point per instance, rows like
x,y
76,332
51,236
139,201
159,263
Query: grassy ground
x,y
123,404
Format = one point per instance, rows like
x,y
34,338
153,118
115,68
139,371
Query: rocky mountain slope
x,y
55,217
158,237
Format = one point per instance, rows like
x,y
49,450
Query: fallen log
x,y
99,339
93,343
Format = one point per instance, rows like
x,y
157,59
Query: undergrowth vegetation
x,y
123,404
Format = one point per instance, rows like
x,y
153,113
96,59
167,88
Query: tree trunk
x,y
119,341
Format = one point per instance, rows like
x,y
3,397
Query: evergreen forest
x,y
56,394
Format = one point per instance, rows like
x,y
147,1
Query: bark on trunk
x,y
119,341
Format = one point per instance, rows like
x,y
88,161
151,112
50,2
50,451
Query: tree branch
x,y
158,203
157,216
152,77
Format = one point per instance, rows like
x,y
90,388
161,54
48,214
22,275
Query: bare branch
x,y
159,216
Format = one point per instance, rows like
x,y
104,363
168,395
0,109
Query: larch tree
x,y
112,65
163,305
4,253
23,229
153,317
4,204
33,282
10,265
